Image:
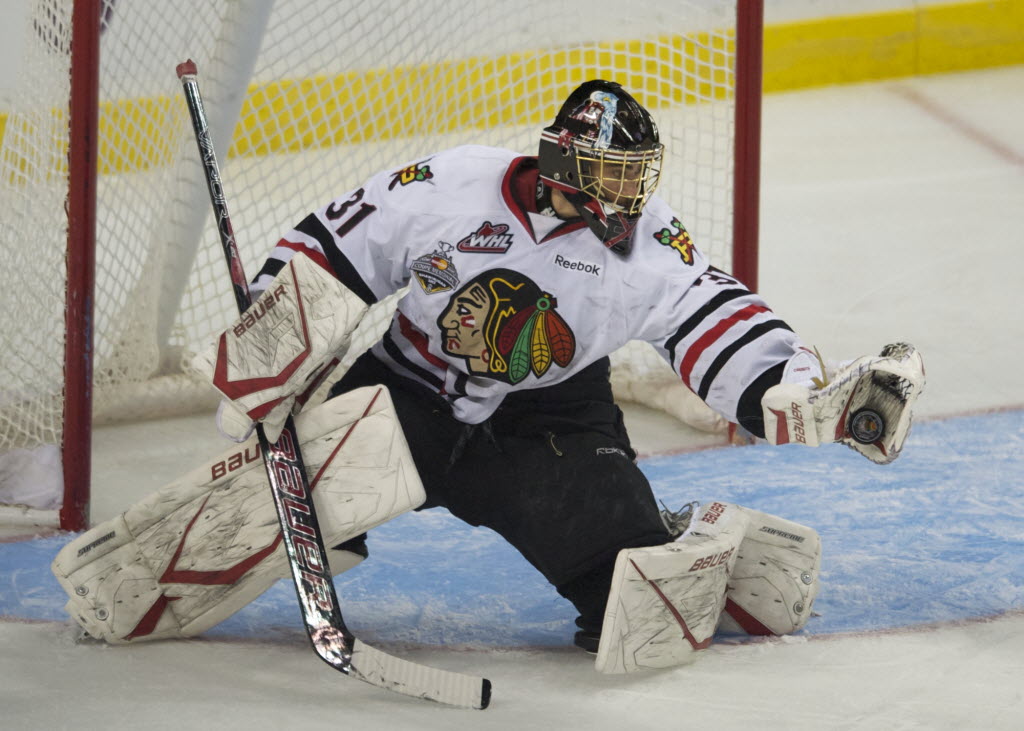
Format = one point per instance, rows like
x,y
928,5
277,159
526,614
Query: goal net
x,y
306,99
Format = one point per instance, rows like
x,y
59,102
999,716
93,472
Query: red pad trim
x,y
341,442
781,427
237,389
173,575
703,644
749,624
315,382
841,424
149,621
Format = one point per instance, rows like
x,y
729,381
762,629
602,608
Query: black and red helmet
x,y
603,153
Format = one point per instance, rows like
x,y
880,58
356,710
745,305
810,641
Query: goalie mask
x,y
603,154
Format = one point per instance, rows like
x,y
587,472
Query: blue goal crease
x,y
937,536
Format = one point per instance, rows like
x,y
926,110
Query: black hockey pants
x,y
551,471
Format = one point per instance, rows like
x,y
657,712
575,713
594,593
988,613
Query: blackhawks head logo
x,y
678,238
505,327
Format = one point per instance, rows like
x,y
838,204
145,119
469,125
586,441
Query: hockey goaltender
x,y
489,396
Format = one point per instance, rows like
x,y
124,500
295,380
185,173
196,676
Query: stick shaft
x,y
289,485
283,460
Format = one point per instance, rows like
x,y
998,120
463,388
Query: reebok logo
x,y
578,266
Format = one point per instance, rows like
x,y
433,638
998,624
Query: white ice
x,y
889,211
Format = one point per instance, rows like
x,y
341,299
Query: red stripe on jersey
x,y
419,341
315,254
709,338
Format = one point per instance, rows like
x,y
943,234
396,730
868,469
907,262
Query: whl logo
x,y
490,238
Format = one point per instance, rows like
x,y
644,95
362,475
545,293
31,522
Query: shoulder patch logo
x,y
415,173
490,238
678,239
505,327
435,271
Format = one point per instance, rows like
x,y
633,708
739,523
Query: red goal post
x,y
106,228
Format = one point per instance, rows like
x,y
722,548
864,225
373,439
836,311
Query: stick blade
x,y
419,681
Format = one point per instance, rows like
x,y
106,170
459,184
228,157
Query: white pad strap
x,y
199,549
281,347
665,601
868,406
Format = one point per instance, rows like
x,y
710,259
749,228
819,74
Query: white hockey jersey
x,y
502,297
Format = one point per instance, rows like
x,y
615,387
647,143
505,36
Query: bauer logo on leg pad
x,y
665,601
193,553
709,562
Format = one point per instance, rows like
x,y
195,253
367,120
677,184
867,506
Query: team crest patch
x,y
505,327
415,173
436,272
679,239
490,238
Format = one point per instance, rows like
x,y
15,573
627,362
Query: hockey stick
x,y
289,484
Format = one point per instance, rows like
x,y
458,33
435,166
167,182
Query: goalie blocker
x,y
204,546
734,570
276,354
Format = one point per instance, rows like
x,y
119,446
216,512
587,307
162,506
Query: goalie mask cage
x,y
100,178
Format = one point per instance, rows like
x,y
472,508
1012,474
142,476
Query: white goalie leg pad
x,y
776,577
281,347
868,406
199,549
665,601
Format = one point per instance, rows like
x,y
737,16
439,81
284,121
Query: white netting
x,y
320,94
